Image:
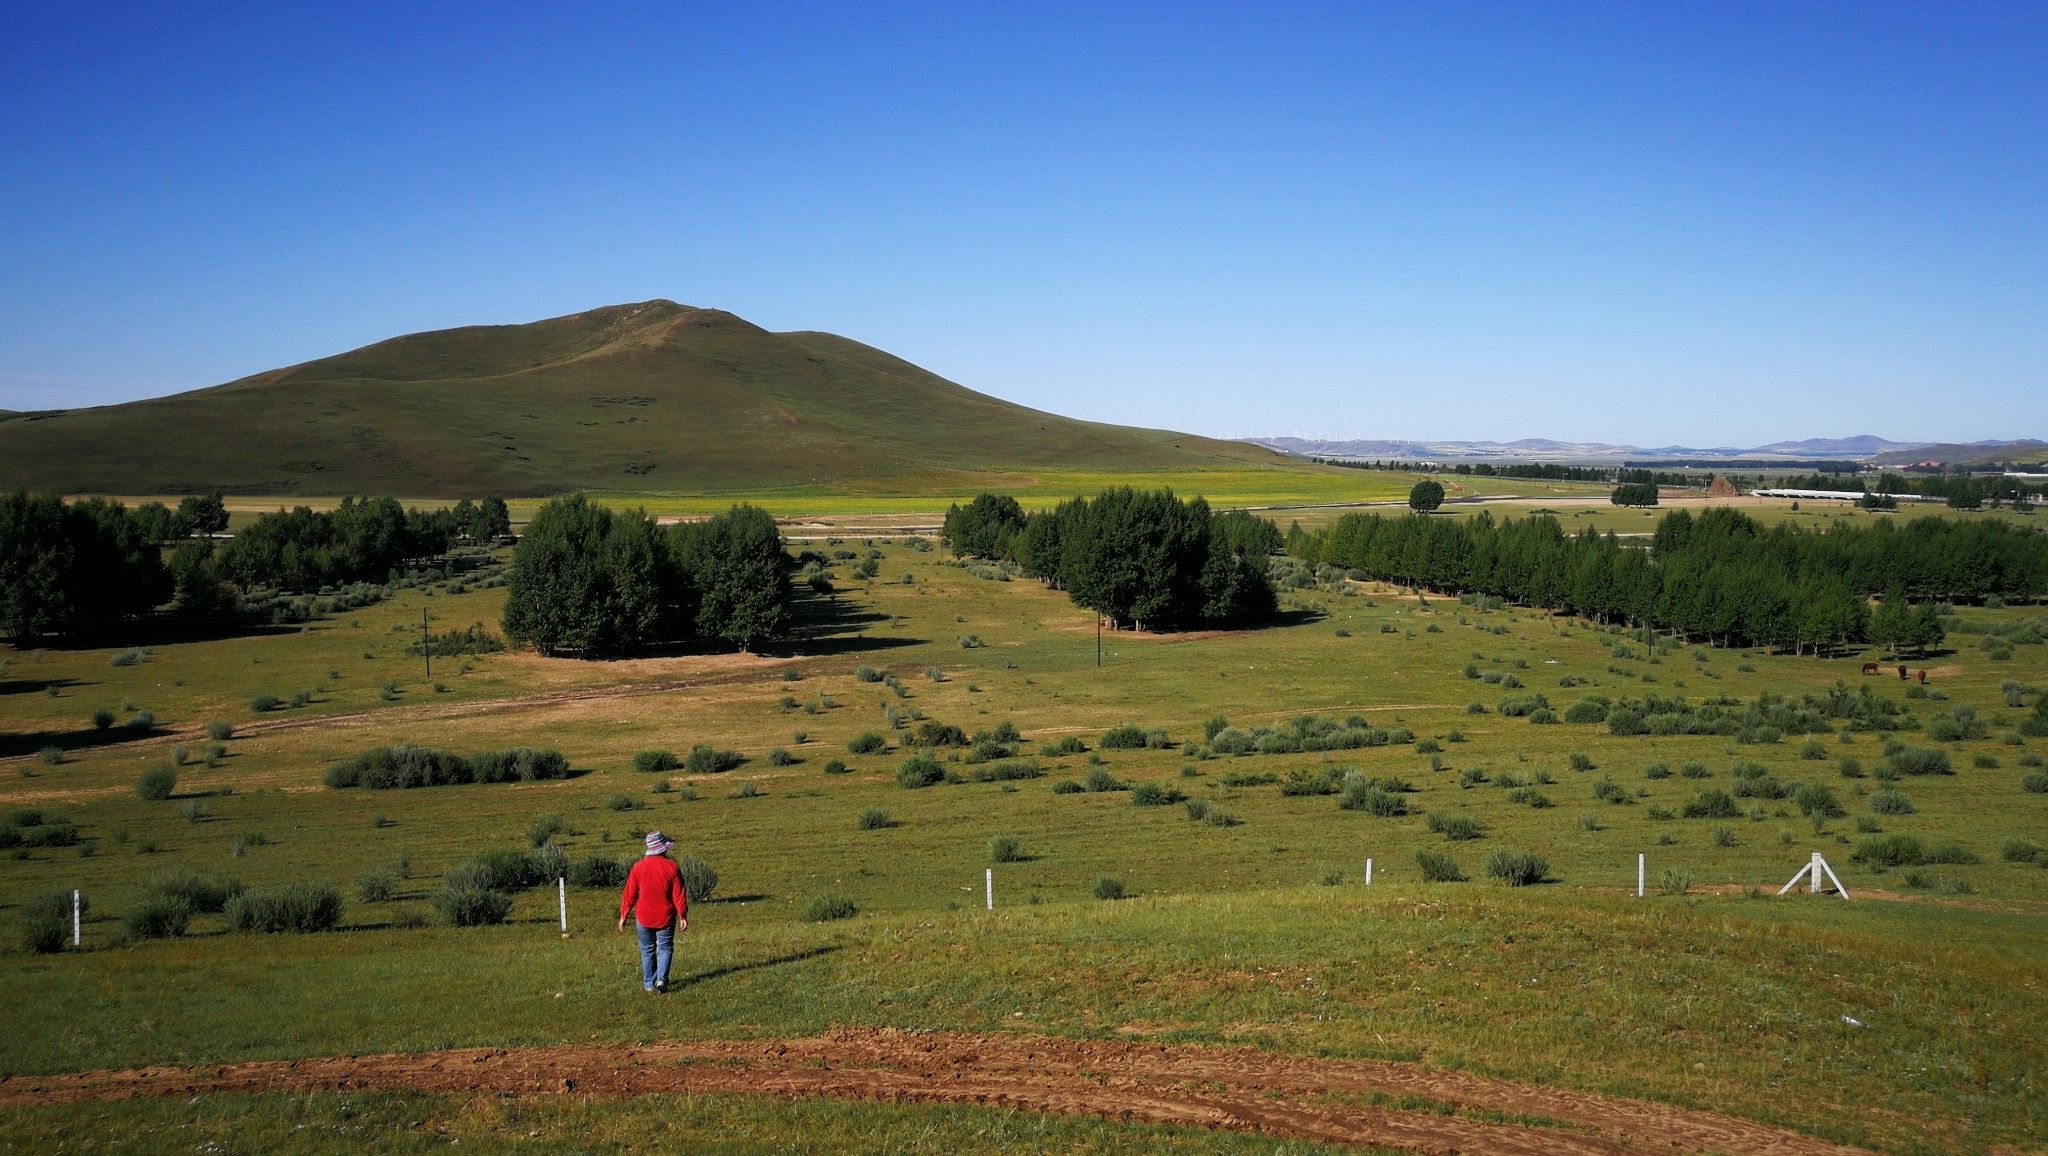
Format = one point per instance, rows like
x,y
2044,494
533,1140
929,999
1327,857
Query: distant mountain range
x,y
1864,448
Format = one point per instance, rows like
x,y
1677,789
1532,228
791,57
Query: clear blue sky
x,y
1656,223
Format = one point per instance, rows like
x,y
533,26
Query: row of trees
x,y
1142,558
1720,576
596,582
87,567
1635,494
1962,491
74,568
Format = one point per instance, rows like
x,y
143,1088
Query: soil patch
x,y
1235,1089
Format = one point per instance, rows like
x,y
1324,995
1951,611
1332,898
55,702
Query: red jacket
x,y
654,892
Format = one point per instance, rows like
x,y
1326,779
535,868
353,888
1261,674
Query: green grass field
x,y
1261,932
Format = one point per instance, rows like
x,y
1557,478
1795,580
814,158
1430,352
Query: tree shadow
x,y
30,742
736,968
747,898
170,631
35,685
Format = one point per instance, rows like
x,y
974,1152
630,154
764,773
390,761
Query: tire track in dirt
x,y
1231,1089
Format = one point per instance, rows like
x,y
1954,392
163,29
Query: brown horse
x,y
1902,674
1923,676
1870,668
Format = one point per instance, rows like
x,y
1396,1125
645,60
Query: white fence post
x,y
1640,859
76,905
990,873
562,898
1368,872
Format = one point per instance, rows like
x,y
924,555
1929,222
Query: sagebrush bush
x,y
1362,794
1456,828
782,758
596,870
835,766
471,906
1890,802
376,887
654,761
919,770
1437,867
1921,761
544,829
867,743
1155,795
1099,779
156,784
155,916
1067,787
826,908
873,819
705,759
1712,803
1954,854
700,879
1884,851
1109,887
1517,868
209,893
1005,849
2035,782
408,766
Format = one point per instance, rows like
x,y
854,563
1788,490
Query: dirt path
x,y
1234,1089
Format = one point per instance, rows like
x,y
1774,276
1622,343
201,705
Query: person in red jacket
x,y
660,907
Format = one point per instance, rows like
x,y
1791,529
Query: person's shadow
x,y
735,968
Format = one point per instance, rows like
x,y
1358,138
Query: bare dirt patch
x,y
1234,1089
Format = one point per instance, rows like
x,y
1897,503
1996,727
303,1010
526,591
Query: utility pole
x,y
426,643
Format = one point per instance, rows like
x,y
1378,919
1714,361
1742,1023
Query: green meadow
x,y
1245,918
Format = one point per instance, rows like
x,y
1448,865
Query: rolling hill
x,y
652,397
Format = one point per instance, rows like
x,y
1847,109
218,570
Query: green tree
x,y
1426,495
984,527
739,572
204,513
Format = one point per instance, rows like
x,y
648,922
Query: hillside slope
x,y
654,396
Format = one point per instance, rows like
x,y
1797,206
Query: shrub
x,y
1712,803
157,783
546,863
655,761
1674,881
1099,779
1693,771
1534,799
708,760
1009,770
2020,851
376,887
919,770
545,828
1123,738
867,743
471,906
1361,794
1890,802
1067,787
620,802
597,871
102,718
867,674
1155,795
1850,768
46,922
1954,854
1110,887
155,916
1005,849
747,791
220,732
874,819
1062,747
1817,802
1657,771
1517,868
1456,828
699,878
129,657
1884,851
1921,761
1724,837
1437,867
826,908
210,893
782,758
1587,710
2035,781
835,766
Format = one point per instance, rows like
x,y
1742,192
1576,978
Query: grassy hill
x,y
653,397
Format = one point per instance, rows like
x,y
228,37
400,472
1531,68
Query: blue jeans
x,y
657,947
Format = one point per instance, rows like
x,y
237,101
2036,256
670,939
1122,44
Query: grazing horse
x,y
1902,674
1923,676
1870,668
